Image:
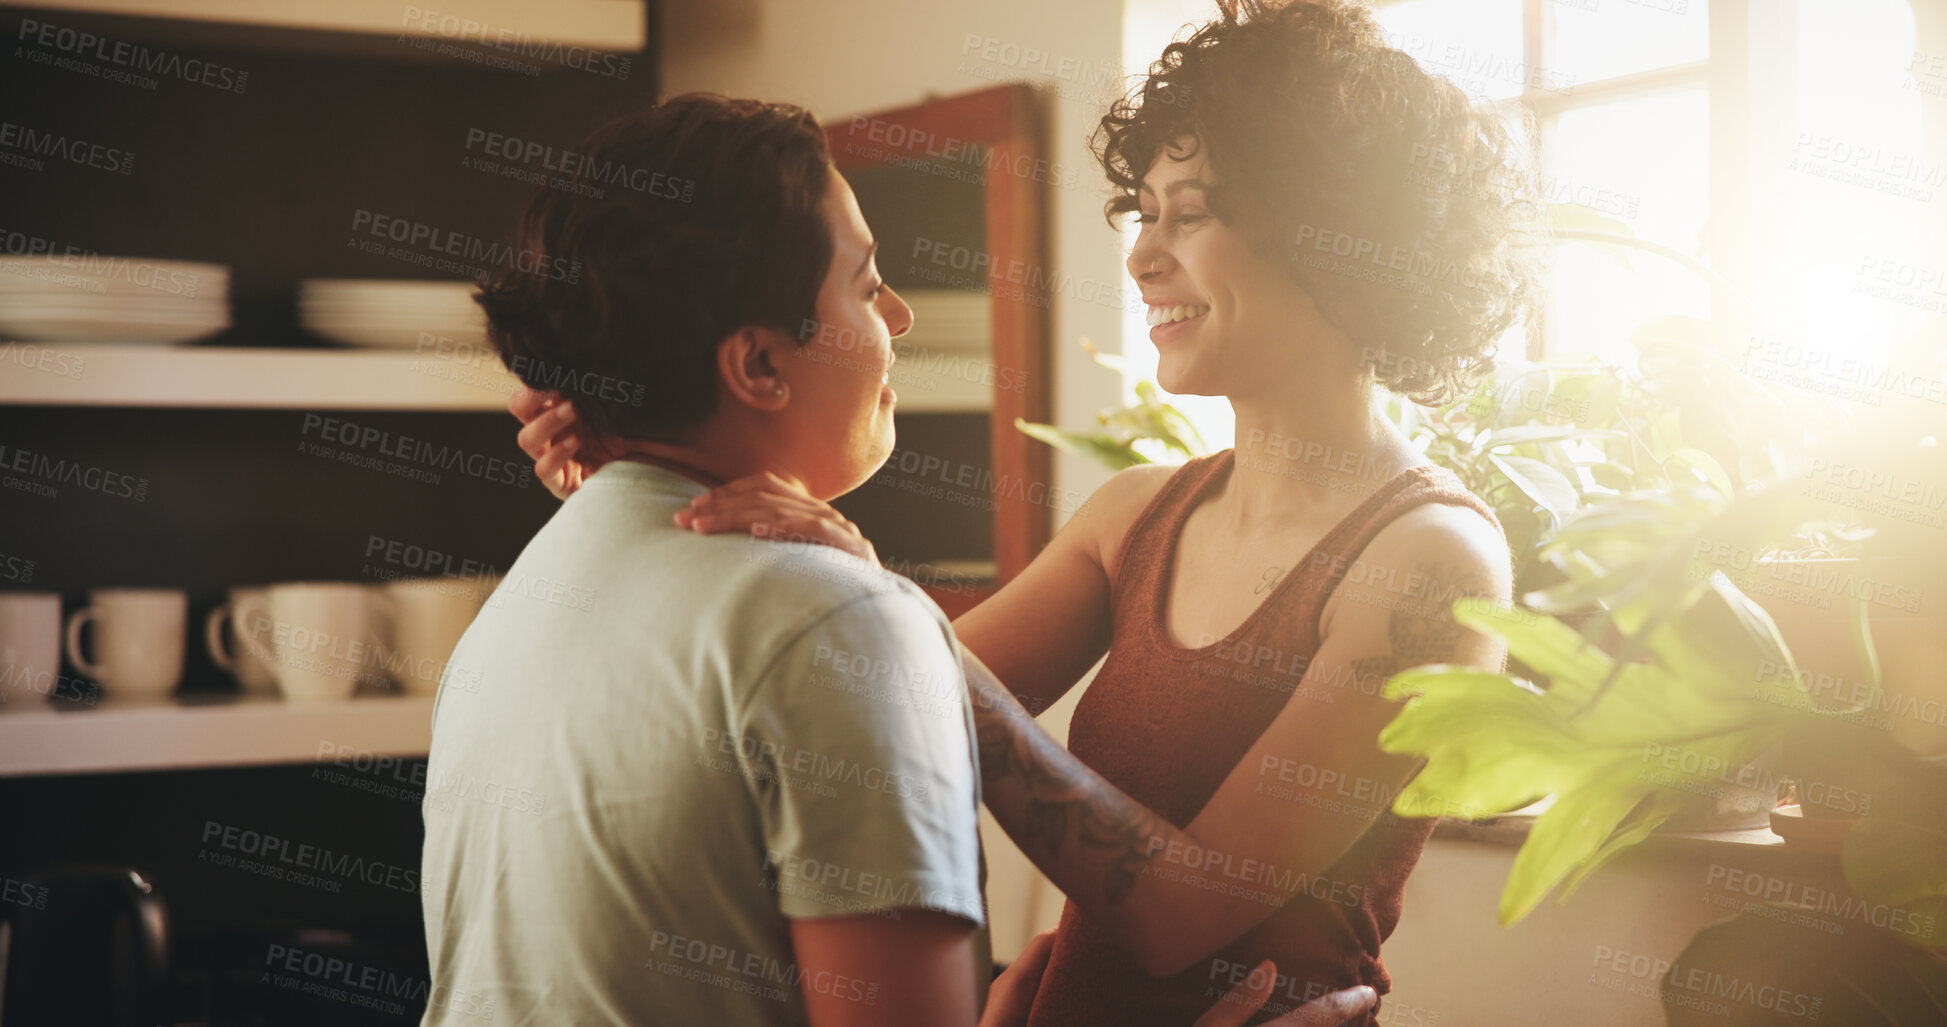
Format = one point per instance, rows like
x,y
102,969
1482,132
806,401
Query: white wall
x,y
845,57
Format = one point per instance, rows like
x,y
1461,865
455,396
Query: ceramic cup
x,y
425,618
320,637
138,640
30,644
244,648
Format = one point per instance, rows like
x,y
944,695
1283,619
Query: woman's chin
x,y
1184,381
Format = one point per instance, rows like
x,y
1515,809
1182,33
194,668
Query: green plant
x,y
1513,439
1687,664
1119,440
1541,441
1687,677
1703,686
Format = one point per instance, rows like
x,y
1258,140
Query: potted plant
x,y
1626,742
1683,663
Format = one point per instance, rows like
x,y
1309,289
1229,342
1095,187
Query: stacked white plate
x,y
390,313
94,298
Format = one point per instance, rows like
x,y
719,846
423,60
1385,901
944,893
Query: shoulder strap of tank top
x,y
1429,484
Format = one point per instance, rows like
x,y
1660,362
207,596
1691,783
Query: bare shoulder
x,y
1448,533
1414,570
1427,557
1103,521
1129,490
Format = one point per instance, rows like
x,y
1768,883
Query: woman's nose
x,y
1147,263
899,316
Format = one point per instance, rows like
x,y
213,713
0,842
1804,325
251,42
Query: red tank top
x,y
1166,725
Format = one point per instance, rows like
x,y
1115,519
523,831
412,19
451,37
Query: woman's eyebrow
x,y
1182,183
870,251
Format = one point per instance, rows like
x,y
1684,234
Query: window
x,y
1620,91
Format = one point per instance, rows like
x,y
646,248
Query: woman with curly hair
x,y
1318,216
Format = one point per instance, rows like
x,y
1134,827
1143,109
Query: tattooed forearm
x,y
1077,827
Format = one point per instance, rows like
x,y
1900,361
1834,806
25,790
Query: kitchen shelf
x,y
238,377
53,374
37,739
609,25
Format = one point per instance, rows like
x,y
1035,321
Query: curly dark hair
x,y
682,223
1405,210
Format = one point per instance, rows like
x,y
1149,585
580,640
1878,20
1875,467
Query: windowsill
x,y
1512,829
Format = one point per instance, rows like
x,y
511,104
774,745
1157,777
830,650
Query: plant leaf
x,y
1706,466
1613,476
1660,808
1901,867
1621,746
1093,447
1761,969
1572,831
1576,216
1539,482
1538,433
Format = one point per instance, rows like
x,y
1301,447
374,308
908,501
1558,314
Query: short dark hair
x,y
683,222
1311,121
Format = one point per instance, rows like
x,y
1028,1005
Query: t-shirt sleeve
x,y
858,745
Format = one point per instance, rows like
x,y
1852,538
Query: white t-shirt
x,y
654,748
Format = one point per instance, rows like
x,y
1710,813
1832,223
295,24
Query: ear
x,y
752,373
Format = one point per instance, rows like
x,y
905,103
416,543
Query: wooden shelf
x,y
37,739
239,377
236,377
607,25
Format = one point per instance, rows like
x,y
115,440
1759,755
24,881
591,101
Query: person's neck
x,y
1324,446
705,467
717,452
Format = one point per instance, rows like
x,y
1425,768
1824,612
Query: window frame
x,y
1724,76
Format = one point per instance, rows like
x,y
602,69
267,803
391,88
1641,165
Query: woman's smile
x,y
1168,320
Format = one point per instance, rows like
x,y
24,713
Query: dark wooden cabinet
x,y
955,191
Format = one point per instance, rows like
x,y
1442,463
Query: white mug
x,y
244,650
30,644
321,637
138,639
426,618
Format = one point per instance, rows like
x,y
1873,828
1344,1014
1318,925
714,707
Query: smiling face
x,y
1225,320
837,423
